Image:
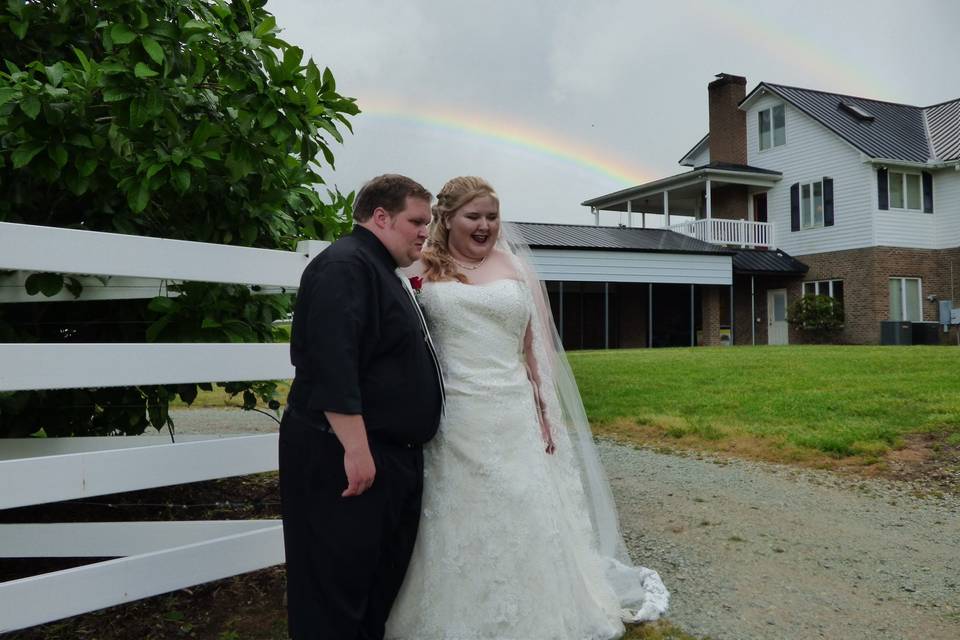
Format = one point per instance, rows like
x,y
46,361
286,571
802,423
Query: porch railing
x,y
742,233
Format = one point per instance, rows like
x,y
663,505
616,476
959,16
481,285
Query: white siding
x,y
632,266
702,158
946,207
812,152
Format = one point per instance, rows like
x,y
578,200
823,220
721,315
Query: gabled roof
x,y
944,122
879,129
576,236
687,159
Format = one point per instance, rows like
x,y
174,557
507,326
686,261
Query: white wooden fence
x,y
149,557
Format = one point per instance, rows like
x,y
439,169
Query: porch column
x,y
629,214
666,208
753,314
709,234
596,216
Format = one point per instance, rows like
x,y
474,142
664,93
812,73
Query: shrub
x,y
819,316
186,119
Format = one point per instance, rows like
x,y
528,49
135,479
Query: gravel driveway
x,y
753,550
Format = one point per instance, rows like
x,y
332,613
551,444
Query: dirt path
x,y
758,551
762,551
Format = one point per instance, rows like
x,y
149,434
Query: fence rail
x,y
152,558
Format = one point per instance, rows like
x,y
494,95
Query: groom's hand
x,y
357,460
360,469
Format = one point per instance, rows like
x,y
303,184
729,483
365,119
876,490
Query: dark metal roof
x,y
897,131
754,261
742,168
943,121
574,236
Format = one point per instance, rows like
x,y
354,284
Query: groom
x,y
367,395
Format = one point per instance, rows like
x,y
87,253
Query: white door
x,y
777,316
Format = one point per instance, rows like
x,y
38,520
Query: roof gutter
x,y
939,164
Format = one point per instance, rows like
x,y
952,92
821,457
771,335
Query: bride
x,y
519,536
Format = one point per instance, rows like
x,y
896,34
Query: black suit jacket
x,y
358,346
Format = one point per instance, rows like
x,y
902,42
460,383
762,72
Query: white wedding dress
x,y
505,549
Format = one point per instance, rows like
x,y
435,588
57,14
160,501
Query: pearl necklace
x,y
469,267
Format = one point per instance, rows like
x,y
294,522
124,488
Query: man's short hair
x,y
389,191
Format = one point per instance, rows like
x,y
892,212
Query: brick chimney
x,y
728,124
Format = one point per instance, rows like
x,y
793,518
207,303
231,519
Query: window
x,y
811,205
830,288
905,296
906,191
773,130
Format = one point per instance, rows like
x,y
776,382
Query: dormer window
x,y
773,130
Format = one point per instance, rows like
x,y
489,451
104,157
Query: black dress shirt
x,y
358,346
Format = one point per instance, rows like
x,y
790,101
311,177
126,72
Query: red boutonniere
x,y
416,283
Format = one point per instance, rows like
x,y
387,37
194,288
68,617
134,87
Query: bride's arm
x,y
533,373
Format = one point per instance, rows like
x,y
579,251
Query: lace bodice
x,y
478,330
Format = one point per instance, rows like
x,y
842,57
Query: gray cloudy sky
x,y
558,101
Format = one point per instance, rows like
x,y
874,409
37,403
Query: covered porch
x,y
717,203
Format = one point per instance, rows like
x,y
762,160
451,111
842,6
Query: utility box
x,y
896,332
946,312
925,333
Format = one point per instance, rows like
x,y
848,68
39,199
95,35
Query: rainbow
x,y
503,129
828,70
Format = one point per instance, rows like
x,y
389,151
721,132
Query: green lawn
x,y
838,400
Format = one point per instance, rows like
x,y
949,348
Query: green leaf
x,y
210,323
154,330
19,28
25,153
141,70
58,154
84,60
267,25
154,169
187,392
74,286
139,197
196,25
86,166
181,179
6,95
80,140
153,49
31,107
162,304
121,34
115,94
55,73
49,284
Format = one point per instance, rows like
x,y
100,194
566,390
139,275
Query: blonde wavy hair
x,y
437,262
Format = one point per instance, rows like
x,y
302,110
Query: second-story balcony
x,y
718,203
737,233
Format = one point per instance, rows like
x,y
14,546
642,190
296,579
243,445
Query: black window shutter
x,y
882,195
828,202
795,207
927,192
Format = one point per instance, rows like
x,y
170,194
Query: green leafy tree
x,y
820,317
186,119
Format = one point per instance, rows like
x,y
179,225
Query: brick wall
x,y
710,310
866,274
729,202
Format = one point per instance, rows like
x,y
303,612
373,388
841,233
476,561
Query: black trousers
x,y
346,557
